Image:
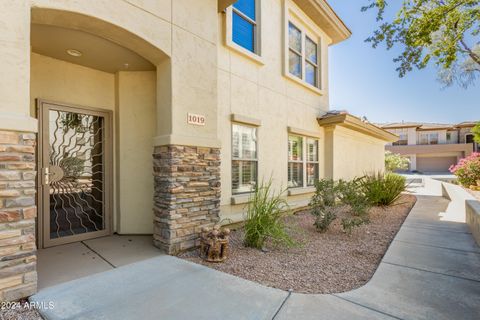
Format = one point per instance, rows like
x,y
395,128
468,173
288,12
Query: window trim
x,y
257,55
307,161
308,29
427,134
232,158
304,160
399,132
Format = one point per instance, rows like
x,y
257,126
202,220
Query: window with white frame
x,y
303,55
428,138
303,165
449,137
244,158
402,137
245,25
312,161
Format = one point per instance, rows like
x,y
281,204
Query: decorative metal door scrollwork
x,y
74,145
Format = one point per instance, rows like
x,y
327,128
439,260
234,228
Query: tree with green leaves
x,y
476,133
443,32
395,161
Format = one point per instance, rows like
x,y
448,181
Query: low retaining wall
x,y
466,203
473,218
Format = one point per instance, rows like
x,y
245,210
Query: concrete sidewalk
x,y
430,271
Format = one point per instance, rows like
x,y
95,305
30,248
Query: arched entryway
x,y
93,88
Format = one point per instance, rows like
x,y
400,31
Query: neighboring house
x,y
223,97
432,147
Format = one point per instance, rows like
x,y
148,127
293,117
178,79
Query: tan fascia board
x,y
224,4
353,123
464,126
323,15
467,148
435,129
400,127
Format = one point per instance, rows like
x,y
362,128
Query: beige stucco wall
x,y
60,81
355,154
179,36
261,91
136,125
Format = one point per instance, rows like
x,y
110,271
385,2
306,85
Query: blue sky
x,y
363,80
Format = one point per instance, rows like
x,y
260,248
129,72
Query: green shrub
x,y
324,218
349,223
329,194
351,193
264,218
394,161
383,189
323,204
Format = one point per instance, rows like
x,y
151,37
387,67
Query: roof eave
x,y
355,124
325,17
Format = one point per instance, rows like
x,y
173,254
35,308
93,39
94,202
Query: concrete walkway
x,y
430,271
71,261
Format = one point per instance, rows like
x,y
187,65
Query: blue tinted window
x,y
243,32
310,74
247,7
311,50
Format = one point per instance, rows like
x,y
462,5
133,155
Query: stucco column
x,y
329,152
18,277
413,162
187,151
15,66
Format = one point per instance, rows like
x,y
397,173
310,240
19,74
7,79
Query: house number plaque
x,y
196,119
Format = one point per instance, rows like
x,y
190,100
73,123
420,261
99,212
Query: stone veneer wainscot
x,y
18,276
187,195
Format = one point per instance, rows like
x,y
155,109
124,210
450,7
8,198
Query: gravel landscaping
x,y
19,312
329,262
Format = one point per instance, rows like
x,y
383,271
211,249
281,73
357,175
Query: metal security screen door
x,y
74,173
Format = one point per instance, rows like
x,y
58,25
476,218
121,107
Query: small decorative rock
x,y
214,244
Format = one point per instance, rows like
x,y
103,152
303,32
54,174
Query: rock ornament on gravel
x,y
214,244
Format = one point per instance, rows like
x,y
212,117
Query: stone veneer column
x,y
18,276
187,195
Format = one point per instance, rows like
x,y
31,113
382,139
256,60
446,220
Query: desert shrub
x,y
383,189
351,194
323,204
264,218
467,170
324,218
349,223
330,194
394,161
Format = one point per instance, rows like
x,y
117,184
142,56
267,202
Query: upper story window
x,y
243,32
302,56
428,138
402,137
303,47
244,24
449,137
244,158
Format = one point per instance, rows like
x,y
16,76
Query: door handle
x,y
46,175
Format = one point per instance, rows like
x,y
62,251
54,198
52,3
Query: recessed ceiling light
x,y
74,53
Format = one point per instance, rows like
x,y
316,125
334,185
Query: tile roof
x,y
426,125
